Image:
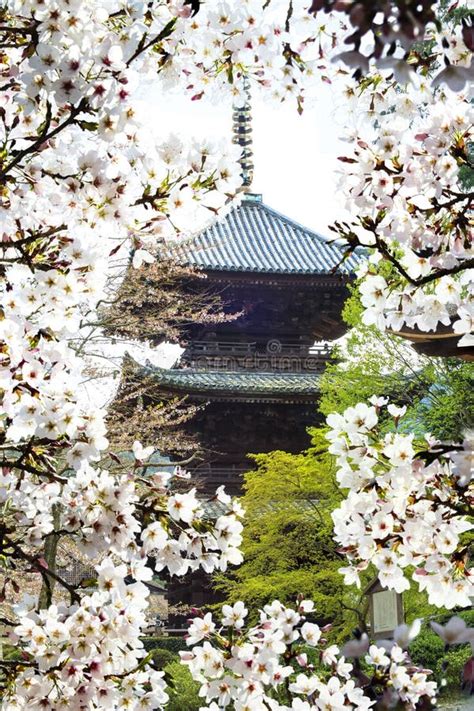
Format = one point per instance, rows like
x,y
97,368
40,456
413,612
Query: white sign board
x,y
385,611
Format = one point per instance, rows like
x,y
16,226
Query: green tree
x,y
288,547
438,392
183,690
429,650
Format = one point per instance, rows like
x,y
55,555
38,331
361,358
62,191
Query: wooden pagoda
x,y
258,374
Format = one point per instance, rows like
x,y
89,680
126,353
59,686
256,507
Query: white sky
x,y
295,156
295,162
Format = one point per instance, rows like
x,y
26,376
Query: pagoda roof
x,y
255,238
237,385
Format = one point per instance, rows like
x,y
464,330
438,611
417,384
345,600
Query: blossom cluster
x,y
83,181
89,654
27,504
102,513
397,37
86,655
270,665
402,179
57,268
77,163
188,540
273,45
407,507
88,59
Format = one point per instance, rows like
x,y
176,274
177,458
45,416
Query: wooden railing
x,y
272,347
222,347
221,474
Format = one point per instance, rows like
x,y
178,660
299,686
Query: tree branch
x,y
45,136
34,562
383,249
143,46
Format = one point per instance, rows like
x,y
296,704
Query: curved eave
x,y
442,343
236,386
279,280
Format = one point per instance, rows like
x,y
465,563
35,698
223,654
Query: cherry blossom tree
x,y
272,665
411,209
414,216
408,506
83,181
409,509
391,33
404,177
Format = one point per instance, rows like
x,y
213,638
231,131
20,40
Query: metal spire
x,y
242,130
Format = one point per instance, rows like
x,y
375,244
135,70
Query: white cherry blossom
x,y
242,668
401,511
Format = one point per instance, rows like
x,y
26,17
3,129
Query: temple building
x,y
258,374
255,378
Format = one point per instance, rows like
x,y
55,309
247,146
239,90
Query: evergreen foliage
x,y
183,690
172,644
162,657
288,499
429,650
438,392
288,547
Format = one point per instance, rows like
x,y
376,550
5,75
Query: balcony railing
x,y
222,348
221,474
272,347
251,356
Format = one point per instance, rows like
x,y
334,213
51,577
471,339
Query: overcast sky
x,y
295,156
295,162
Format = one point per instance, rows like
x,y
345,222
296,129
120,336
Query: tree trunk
x,y
49,554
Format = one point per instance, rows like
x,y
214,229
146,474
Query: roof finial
x,y
242,129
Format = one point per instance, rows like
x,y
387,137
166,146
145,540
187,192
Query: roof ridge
x,y
192,371
216,383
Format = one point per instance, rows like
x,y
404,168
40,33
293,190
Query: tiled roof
x,y
156,463
255,238
238,384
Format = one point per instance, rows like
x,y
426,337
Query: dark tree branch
x,y
45,572
34,237
383,249
143,45
44,136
